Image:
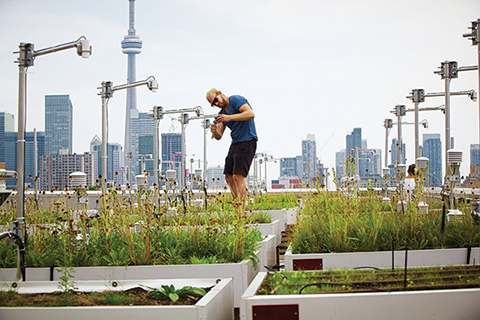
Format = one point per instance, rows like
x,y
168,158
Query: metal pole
x,y
357,181
356,160
417,96
35,161
386,144
130,155
191,174
266,181
206,125
22,94
255,175
417,130
447,112
260,171
156,145
478,54
399,138
184,120
104,137
23,62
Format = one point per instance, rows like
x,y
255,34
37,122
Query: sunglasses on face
x,y
214,102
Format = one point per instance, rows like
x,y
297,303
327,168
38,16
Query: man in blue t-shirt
x,y
236,114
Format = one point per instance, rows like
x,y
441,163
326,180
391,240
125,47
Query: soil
x,y
132,297
338,281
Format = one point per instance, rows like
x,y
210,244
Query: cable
x,y
319,284
367,267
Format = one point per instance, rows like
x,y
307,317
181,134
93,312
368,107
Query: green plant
x,y
65,284
204,260
10,292
169,292
343,224
116,298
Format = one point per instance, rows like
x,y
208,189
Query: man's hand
x,y
222,118
213,127
245,114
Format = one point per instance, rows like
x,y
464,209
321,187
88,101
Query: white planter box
x,y
242,273
267,254
217,304
285,216
277,215
437,304
266,229
380,259
292,215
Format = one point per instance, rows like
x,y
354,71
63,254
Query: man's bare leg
x,y
238,188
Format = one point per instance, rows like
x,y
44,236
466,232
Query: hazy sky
x,y
306,67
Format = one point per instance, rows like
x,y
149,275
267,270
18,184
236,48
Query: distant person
x,y
236,114
409,184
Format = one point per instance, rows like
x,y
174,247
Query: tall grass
x,y
59,236
342,224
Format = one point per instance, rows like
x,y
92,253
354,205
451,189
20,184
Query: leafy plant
x,y
169,292
65,284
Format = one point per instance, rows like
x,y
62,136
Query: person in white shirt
x,y
409,184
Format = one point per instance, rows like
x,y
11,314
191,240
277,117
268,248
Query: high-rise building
x,y
30,155
354,140
56,169
58,124
432,149
145,150
370,165
290,173
299,170
288,167
394,159
472,180
141,124
309,160
114,161
95,147
357,159
131,46
394,154
7,122
8,150
475,155
172,153
7,135
340,163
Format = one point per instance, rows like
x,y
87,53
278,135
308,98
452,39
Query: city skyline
x,y
369,168
302,65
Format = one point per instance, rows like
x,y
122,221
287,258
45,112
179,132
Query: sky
x,y
306,67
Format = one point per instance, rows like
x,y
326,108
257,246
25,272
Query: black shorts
x,y
239,157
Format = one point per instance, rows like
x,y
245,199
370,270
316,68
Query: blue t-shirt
x,y
240,130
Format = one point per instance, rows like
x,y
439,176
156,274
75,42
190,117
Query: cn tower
x,y
131,46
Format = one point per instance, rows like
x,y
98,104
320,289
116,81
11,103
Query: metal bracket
x,y
13,229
